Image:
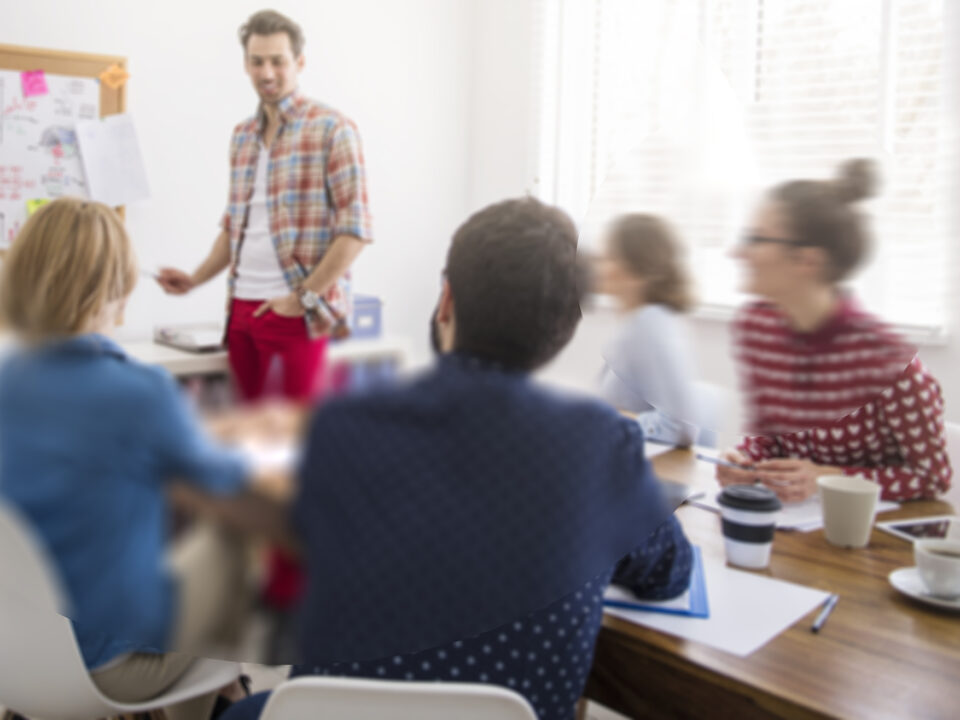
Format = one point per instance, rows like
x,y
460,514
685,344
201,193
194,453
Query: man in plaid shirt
x,y
297,218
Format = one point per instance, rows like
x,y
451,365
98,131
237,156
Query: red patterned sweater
x,y
850,394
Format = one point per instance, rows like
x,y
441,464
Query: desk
x,y
184,364
880,655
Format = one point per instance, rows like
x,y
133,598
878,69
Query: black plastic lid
x,y
755,498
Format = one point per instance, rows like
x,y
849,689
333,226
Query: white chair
x,y
307,698
42,674
953,452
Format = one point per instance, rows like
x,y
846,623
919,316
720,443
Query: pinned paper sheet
x,y
114,77
38,146
111,160
33,82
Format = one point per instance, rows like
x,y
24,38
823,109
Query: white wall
x,y
401,70
503,103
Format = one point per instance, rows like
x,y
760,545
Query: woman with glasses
x,y
830,389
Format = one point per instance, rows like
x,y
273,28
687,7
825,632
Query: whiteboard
x,y
39,157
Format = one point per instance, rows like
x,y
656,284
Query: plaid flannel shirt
x,y
316,191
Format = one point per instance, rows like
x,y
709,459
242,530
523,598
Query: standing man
x,y
297,218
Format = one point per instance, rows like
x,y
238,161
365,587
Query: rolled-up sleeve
x,y
347,184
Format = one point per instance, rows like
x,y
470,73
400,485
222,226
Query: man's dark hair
x,y
516,283
269,22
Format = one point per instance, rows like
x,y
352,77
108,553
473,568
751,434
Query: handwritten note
x,y
33,82
38,147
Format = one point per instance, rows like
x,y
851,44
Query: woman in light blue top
x,y
89,440
647,367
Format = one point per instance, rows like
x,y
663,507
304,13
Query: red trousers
x,y
272,354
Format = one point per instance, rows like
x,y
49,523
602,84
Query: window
x,y
690,108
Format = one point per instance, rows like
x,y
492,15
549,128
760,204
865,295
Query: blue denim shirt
x,y
88,439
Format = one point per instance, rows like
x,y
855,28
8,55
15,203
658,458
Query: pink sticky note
x,y
34,82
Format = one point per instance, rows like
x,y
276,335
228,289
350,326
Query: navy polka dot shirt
x,y
444,426
545,656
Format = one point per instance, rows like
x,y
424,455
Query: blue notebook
x,y
692,603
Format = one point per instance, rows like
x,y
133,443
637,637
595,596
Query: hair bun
x,y
857,180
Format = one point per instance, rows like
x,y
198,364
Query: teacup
x,y
938,562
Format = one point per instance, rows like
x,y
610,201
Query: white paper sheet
x,y
747,610
681,602
804,516
652,449
111,159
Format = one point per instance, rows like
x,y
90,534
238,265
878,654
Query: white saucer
x,y
907,580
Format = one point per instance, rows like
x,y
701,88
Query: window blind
x,y
689,108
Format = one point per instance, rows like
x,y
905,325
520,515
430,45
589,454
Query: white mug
x,y
849,505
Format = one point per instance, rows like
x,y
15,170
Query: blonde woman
x,y
88,440
648,367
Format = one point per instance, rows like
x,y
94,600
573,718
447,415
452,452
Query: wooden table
x,y
880,655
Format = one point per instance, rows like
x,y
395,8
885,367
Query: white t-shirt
x,y
259,275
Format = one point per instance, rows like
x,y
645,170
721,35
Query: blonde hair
x,y
71,259
650,249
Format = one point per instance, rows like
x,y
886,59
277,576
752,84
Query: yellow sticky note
x,y
114,77
34,205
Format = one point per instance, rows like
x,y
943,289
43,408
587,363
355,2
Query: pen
x,y
724,463
828,606
738,466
